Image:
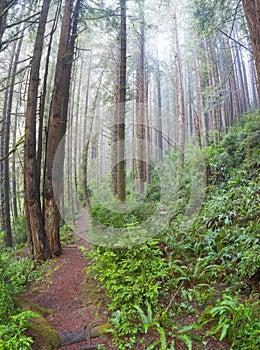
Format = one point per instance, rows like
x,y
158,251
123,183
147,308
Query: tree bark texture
x,y
34,218
179,92
53,181
121,107
252,12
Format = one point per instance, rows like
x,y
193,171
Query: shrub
x,y
14,275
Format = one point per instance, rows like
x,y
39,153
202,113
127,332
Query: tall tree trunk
x,y
234,88
252,12
16,53
201,105
44,93
253,79
53,181
86,138
159,130
5,141
179,92
140,113
115,122
197,129
77,134
14,175
34,218
121,107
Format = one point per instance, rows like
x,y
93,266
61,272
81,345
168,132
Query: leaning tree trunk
x,y
34,218
57,126
252,12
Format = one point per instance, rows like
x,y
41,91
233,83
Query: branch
x,y
18,82
235,15
23,20
18,143
237,42
8,7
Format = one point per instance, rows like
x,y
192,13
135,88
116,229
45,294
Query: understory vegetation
x,y
15,275
192,286
196,285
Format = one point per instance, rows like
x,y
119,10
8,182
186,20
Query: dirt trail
x,y
64,291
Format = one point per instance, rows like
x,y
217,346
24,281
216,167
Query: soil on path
x,y
67,294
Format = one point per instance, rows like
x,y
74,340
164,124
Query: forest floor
x,y
74,299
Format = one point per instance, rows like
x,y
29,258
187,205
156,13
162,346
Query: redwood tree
x,y
57,125
118,132
252,12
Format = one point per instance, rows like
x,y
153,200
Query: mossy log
x,y
69,337
44,336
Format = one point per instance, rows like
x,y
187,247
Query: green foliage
x,y
66,235
212,15
108,217
15,273
131,276
2,239
213,264
240,144
12,334
116,219
147,319
237,322
19,230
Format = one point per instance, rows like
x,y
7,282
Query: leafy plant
x,y
237,322
66,235
147,319
15,274
212,259
131,276
12,334
19,230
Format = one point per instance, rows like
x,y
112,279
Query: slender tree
x,y
4,144
33,211
159,131
141,109
120,110
179,90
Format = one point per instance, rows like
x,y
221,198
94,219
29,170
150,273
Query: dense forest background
x,y
143,116
178,70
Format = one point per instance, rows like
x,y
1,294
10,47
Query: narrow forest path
x,y
74,301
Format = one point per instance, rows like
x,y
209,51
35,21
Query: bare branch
x,y
24,20
18,143
235,15
235,41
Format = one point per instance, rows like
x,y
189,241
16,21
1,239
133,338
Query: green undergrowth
x,y
195,285
13,279
16,273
